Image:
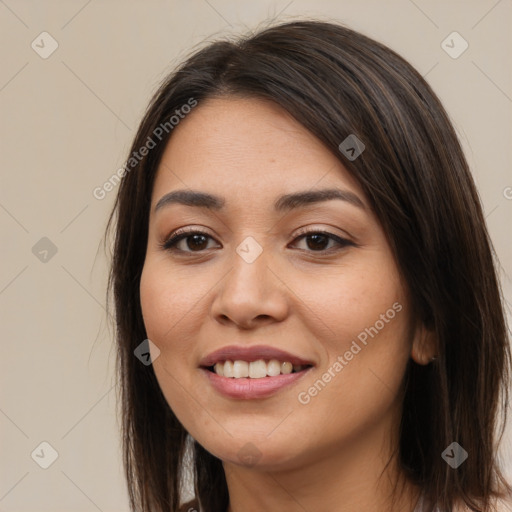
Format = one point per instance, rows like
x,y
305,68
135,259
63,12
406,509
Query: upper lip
x,y
253,353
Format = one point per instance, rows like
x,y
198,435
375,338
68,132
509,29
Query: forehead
x,y
246,148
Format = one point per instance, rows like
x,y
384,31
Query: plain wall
x,y
66,125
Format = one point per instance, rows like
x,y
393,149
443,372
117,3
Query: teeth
x,y
273,367
256,369
240,369
219,369
286,367
228,369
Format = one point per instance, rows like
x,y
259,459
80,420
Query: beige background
x,y
66,125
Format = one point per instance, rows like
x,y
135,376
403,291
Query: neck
x,y
356,477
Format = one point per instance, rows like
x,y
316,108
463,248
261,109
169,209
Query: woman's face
x,y
312,279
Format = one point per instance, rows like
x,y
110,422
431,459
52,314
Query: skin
x,y
325,455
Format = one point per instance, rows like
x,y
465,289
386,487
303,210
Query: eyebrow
x,y
283,203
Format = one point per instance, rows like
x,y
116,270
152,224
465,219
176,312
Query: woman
x,y
298,235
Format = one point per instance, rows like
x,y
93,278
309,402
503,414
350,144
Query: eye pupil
x,y
190,241
315,237
202,242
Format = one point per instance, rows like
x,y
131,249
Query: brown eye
x,y
318,241
196,242
187,241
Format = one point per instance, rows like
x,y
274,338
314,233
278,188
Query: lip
x,y
249,354
247,388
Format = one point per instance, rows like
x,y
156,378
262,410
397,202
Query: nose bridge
x,y
249,249
250,289
249,266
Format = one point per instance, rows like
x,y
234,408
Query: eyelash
x,y
180,234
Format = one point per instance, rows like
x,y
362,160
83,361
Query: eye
x,y
190,240
193,241
318,241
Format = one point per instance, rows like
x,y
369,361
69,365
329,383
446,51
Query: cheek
x,y
376,326
168,300
174,303
360,300
366,347
154,304
164,306
168,311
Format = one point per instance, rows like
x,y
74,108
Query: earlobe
x,y
424,346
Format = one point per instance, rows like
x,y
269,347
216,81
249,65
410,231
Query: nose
x,y
250,294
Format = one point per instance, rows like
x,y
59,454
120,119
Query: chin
x,y
257,452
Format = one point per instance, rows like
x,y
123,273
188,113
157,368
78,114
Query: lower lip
x,y
246,388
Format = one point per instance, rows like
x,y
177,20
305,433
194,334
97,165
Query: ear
x,y
424,346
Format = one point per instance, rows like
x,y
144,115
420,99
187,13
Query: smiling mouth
x,y
259,369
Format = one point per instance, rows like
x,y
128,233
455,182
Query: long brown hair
x,y
337,82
